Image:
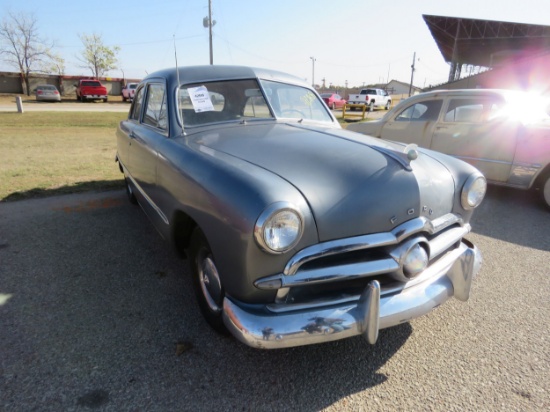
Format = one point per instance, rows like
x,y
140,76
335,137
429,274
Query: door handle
x,y
132,135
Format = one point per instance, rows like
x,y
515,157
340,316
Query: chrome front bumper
x,y
451,276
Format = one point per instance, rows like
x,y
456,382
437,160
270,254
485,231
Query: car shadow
x,y
79,187
522,217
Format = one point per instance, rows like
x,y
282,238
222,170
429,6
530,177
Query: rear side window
x,y
136,105
155,110
464,111
471,110
422,111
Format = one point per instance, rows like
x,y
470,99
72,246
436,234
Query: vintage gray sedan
x,y
296,231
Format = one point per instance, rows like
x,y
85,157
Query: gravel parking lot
x,y
96,313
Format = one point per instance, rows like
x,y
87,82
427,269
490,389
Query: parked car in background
x,y
296,231
47,93
333,100
90,89
503,133
372,98
128,91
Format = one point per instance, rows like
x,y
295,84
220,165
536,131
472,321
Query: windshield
x,y
244,100
295,102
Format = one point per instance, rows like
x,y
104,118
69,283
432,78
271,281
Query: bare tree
x,y
96,56
23,48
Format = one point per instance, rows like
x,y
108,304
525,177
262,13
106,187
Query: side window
x,y
468,110
136,105
155,110
422,111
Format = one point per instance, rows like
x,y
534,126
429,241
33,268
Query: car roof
x,y
197,74
504,93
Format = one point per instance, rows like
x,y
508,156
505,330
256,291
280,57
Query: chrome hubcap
x,y
210,283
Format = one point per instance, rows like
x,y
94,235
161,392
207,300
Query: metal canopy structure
x,y
484,43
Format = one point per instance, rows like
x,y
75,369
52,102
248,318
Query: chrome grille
x,y
341,269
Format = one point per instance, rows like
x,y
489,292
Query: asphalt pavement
x,y
96,313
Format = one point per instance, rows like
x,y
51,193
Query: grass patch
x,y
49,153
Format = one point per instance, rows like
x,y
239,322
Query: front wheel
x,y
388,105
333,106
206,281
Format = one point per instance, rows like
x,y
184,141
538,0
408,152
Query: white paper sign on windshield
x,y
200,98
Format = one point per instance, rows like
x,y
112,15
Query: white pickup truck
x,y
373,98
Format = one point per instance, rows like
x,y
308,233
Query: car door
x,y
147,136
466,131
414,124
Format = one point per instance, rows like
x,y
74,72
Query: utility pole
x,y
412,74
208,22
210,31
313,72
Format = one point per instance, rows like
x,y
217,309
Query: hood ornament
x,y
411,150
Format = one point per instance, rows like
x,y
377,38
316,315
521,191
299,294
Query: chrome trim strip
x,y
483,159
260,329
147,198
334,247
329,274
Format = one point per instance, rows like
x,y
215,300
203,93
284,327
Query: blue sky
x,y
353,41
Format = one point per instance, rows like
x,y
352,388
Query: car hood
x,y
354,184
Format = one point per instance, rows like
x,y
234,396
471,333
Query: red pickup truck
x,y
90,89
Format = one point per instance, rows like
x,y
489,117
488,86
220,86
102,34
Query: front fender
x,y
225,196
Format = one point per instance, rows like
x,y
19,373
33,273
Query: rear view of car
x,y
47,93
333,100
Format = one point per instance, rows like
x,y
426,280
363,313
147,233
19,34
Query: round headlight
x,y
279,228
473,191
